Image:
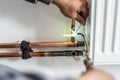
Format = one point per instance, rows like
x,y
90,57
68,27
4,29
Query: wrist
x,y
56,2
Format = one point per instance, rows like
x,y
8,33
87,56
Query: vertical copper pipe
x,y
73,24
73,28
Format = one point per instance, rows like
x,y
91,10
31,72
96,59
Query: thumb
x,y
81,19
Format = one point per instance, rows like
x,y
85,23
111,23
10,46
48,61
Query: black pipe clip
x,y
26,49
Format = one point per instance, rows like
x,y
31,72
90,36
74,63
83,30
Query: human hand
x,y
74,9
96,74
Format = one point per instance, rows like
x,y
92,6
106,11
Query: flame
x,y
73,34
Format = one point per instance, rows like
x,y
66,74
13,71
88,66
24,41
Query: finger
x,y
84,11
81,19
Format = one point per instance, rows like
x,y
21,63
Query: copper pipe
x,y
73,24
55,44
43,44
73,28
16,54
9,45
10,54
43,54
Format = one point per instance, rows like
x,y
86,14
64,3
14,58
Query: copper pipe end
x,y
73,28
73,24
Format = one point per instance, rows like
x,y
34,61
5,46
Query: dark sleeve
x,y
46,1
43,1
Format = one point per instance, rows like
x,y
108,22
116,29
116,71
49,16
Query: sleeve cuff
x,y
46,1
43,1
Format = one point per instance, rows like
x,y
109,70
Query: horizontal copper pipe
x,y
9,54
43,44
16,54
43,54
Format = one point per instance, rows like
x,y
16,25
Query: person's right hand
x,y
74,9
